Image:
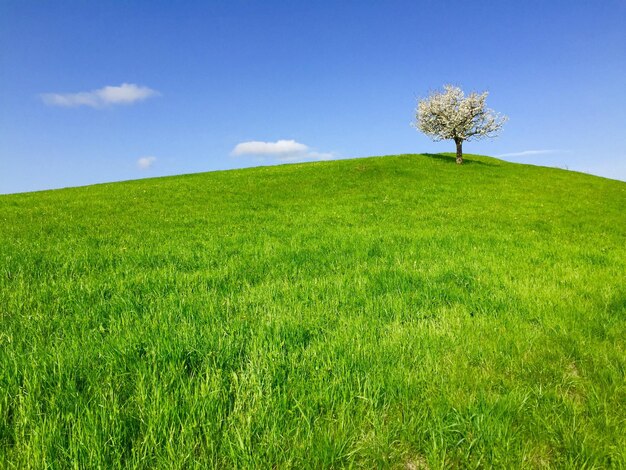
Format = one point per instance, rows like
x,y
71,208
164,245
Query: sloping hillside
x,y
398,311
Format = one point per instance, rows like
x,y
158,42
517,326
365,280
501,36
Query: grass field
x,y
400,312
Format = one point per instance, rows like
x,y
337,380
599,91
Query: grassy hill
x,y
398,312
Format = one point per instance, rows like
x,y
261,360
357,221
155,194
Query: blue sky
x,y
105,91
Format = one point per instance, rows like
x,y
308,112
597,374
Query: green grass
x,y
398,312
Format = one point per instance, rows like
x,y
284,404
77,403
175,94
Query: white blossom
x,y
452,115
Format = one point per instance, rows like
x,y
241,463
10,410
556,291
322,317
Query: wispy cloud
x,y
283,150
526,153
126,93
145,162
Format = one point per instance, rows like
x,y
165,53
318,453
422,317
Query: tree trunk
x,y
459,151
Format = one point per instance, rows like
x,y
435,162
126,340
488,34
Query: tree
x,y
451,115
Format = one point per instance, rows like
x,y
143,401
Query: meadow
x,y
389,312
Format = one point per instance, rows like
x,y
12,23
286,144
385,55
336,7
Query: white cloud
x,y
525,153
126,93
145,162
280,147
283,150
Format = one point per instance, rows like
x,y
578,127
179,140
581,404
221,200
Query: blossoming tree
x,y
452,115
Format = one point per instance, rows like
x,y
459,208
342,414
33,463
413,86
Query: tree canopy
x,y
449,114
